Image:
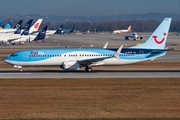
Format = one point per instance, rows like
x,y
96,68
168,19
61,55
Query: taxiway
x,y
95,40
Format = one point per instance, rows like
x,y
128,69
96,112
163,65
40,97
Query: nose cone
x,y
6,60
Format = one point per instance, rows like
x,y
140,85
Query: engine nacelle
x,y
5,42
70,65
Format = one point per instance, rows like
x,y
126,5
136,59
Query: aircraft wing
x,y
9,39
12,39
93,60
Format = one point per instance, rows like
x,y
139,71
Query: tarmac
x,y
94,40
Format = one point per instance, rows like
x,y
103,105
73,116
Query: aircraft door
x,y
25,56
141,54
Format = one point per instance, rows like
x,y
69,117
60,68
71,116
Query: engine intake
x,y
70,65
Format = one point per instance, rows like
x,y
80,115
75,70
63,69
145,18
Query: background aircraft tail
x,y
129,28
58,31
1,24
8,25
18,24
28,23
18,30
26,27
72,29
41,35
35,26
157,39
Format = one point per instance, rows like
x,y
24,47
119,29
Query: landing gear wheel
x,y
126,38
21,70
88,69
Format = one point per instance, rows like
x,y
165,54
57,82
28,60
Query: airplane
x,y
122,31
63,31
57,31
18,35
24,27
28,29
75,58
25,38
32,29
13,34
11,30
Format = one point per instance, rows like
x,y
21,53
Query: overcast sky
x,y
87,7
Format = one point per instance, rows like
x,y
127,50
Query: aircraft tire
x,y
21,70
88,69
126,38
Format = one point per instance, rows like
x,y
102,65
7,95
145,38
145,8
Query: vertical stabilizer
x,y
72,29
157,39
129,28
26,27
58,31
42,34
8,25
18,24
1,24
35,26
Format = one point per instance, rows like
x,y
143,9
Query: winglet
x,y
118,52
105,46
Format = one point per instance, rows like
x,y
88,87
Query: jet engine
x,y
70,65
5,42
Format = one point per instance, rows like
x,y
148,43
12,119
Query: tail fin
x,y
26,27
58,31
28,24
41,34
18,30
72,29
8,25
157,39
35,26
1,24
129,28
18,24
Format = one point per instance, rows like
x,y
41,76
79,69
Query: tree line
x,y
137,25
109,26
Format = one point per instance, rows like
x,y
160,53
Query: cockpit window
x,y
13,55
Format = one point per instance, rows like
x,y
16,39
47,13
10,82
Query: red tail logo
x,y
157,41
36,25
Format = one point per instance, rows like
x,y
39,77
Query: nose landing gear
x,y
20,67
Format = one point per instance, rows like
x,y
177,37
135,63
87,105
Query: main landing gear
x,y
21,70
88,69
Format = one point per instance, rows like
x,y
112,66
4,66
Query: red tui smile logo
x,y
159,41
